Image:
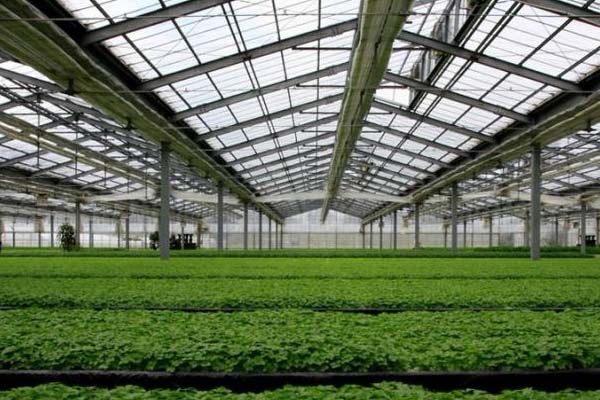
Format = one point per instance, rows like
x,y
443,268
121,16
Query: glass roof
x,y
261,82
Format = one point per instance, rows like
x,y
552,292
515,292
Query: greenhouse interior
x,y
310,199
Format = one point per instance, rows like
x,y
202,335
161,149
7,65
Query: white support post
x,y
77,224
583,228
245,238
220,220
165,196
52,230
395,231
260,238
380,233
454,212
91,233
536,214
417,226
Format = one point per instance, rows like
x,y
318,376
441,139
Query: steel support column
x,y
526,229
118,232
245,238
582,228
395,231
417,226
127,231
363,235
597,231
77,224
220,217
536,210
465,234
91,233
260,238
270,232
181,244
52,230
165,194
371,235
380,233
445,235
454,211
556,234
491,231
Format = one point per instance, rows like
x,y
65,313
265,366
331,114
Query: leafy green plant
x,y
291,341
257,268
66,237
265,293
154,240
378,391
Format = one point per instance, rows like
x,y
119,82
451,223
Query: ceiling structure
x,y
250,94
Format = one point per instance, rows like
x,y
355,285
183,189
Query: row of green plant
x,y
296,268
379,391
300,293
286,341
303,253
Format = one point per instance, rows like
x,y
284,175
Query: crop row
x,y
497,252
301,267
381,391
288,341
299,293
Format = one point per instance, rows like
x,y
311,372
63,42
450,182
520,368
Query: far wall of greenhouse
x,y
300,231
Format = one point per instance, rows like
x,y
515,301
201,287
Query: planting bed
x,y
382,391
244,293
57,324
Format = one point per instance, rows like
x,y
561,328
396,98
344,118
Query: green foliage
x,y
286,341
423,293
154,240
66,237
521,252
256,268
379,391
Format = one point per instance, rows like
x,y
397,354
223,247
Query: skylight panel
x,y
197,90
269,69
244,110
256,21
209,34
232,80
131,58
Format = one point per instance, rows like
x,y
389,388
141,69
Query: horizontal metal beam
x,y
404,152
293,157
332,30
270,117
149,19
450,95
352,178
297,182
203,108
566,9
285,180
432,121
487,60
29,80
278,134
396,163
417,139
294,145
294,167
